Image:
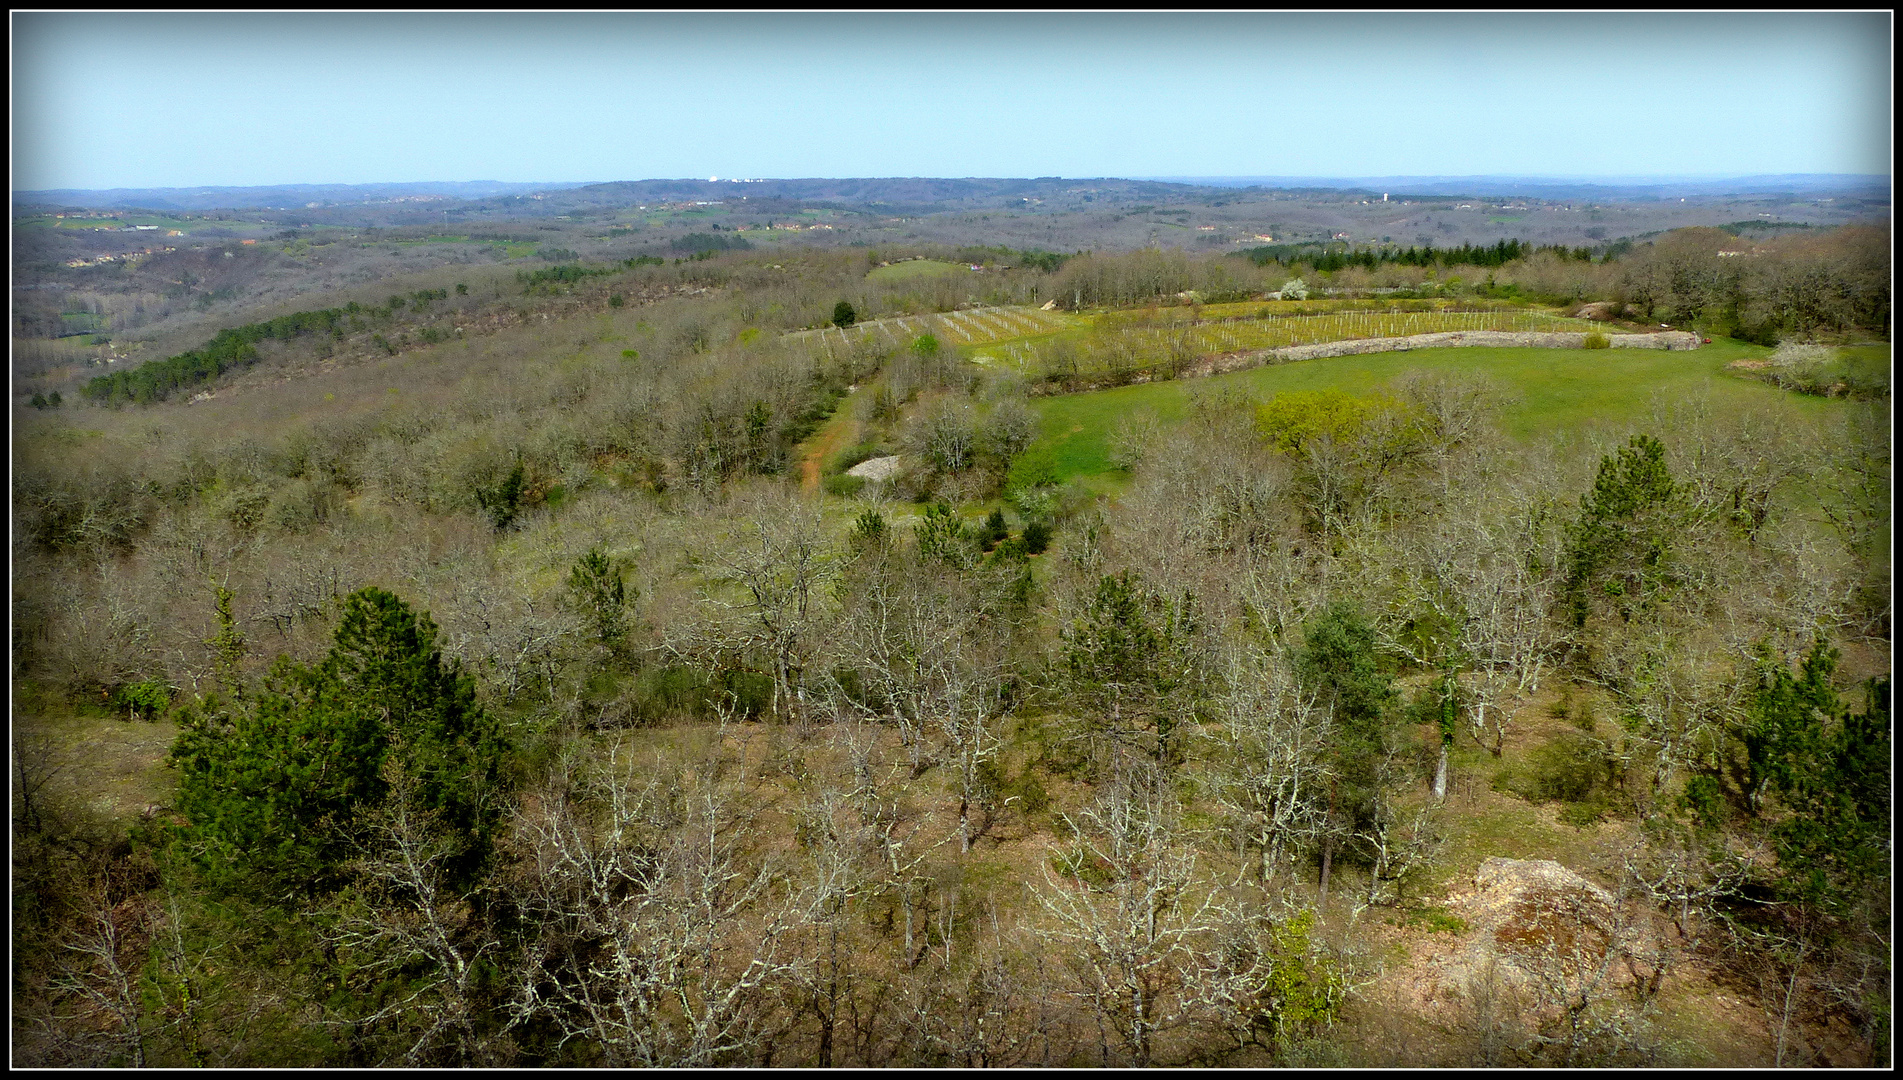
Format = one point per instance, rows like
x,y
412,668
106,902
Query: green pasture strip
x,y
1553,390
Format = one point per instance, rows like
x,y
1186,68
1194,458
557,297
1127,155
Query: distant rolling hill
x,y
1549,187
284,196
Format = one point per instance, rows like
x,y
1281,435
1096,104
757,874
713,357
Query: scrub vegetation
x,y
507,663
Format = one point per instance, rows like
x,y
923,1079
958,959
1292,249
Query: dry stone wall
x,y
1675,340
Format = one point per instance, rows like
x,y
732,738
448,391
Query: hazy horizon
x,y
1640,181
108,101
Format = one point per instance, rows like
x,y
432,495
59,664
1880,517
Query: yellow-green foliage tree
x,y
1293,420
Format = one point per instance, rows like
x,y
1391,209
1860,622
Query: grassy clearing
x,y
914,269
1554,390
107,767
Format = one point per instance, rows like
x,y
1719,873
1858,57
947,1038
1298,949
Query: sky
x,y
108,100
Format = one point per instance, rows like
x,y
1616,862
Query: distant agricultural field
x,y
1548,391
973,326
110,224
1241,309
1121,347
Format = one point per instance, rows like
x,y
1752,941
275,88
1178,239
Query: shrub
x,y
748,694
598,587
1596,340
853,455
1582,814
940,534
664,692
1795,354
1037,537
993,530
869,528
1011,550
1573,769
502,501
299,504
843,485
1434,920
145,699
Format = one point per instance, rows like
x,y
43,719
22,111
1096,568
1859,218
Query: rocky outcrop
x,y
1541,923
877,470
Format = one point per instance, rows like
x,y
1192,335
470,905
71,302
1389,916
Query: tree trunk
x,y
1440,773
1498,742
964,825
911,957
1328,860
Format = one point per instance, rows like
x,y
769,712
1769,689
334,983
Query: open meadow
x,y
1545,392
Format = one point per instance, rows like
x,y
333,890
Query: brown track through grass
x,y
822,445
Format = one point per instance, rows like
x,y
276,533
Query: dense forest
x,y
522,671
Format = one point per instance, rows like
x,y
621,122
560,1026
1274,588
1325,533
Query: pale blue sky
x,y
134,100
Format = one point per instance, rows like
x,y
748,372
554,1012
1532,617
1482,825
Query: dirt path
x,y
823,443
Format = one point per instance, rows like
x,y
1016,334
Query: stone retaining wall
x,y
1496,339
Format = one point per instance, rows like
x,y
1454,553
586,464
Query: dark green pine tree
x,y
271,786
599,589
1133,665
1338,663
1828,768
1620,545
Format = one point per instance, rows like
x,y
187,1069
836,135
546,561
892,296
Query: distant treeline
x,y
1047,261
1328,258
571,273
236,347
698,242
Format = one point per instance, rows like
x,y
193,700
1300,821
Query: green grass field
x,y
1134,341
914,269
1553,390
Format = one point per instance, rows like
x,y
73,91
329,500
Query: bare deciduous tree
x,y
1127,917
779,565
402,916
657,933
1271,740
